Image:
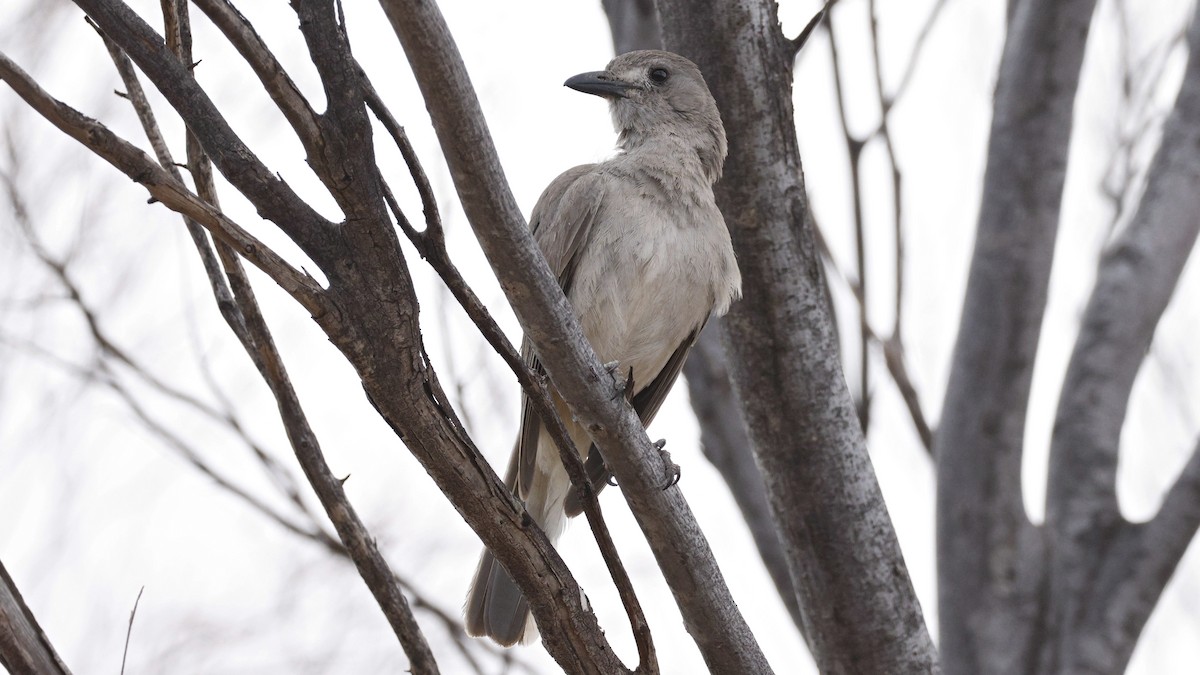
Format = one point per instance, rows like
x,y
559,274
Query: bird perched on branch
x,y
644,256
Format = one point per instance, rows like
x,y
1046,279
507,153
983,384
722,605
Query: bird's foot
x,y
621,387
674,472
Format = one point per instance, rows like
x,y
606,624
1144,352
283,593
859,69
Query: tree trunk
x,y
989,554
860,612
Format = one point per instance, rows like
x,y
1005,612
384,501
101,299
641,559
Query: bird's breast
x,y
652,273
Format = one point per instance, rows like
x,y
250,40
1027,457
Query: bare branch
x,y
260,346
854,148
987,548
797,43
897,193
893,349
1135,281
910,66
275,80
129,628
134,163
724,639
24,647
1157,547
861,614
275,200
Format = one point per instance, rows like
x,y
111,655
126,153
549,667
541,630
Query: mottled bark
x,y
988,552
860,612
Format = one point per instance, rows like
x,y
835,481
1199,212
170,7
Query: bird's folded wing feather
x,y
646,403
561,223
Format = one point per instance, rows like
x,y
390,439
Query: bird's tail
x,y
496,608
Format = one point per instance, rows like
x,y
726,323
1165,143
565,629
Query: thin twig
x,y
275,80
893,350
910,66
129,628
162,187
854,148
800,40
890,151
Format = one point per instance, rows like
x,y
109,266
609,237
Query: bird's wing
x,y
646,403
561,223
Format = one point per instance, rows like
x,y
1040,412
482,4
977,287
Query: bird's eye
x,y
659,75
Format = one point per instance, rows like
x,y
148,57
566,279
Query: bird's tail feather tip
x,y
496,608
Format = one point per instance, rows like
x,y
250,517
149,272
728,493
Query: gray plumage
x,y
644,257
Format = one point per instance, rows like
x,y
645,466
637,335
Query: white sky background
x,y
93,507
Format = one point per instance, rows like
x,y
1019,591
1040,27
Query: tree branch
x,y
854,149
712,618
1135,281
1155,549
987,548
275,80
797,43
162,187
861,614
24,647
257,341
275,200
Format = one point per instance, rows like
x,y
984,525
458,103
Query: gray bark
x,y
24,648
723,439
634,24
860,612
1105,574
988,552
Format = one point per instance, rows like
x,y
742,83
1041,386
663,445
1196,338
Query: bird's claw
x,y
673,468
620,387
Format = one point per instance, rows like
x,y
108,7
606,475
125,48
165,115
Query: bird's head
x,y
655,95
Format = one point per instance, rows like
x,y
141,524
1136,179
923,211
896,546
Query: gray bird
x,y
644,257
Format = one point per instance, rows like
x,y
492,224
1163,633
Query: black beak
x,y
600,83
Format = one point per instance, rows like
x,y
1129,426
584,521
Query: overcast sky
x,y
94,506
